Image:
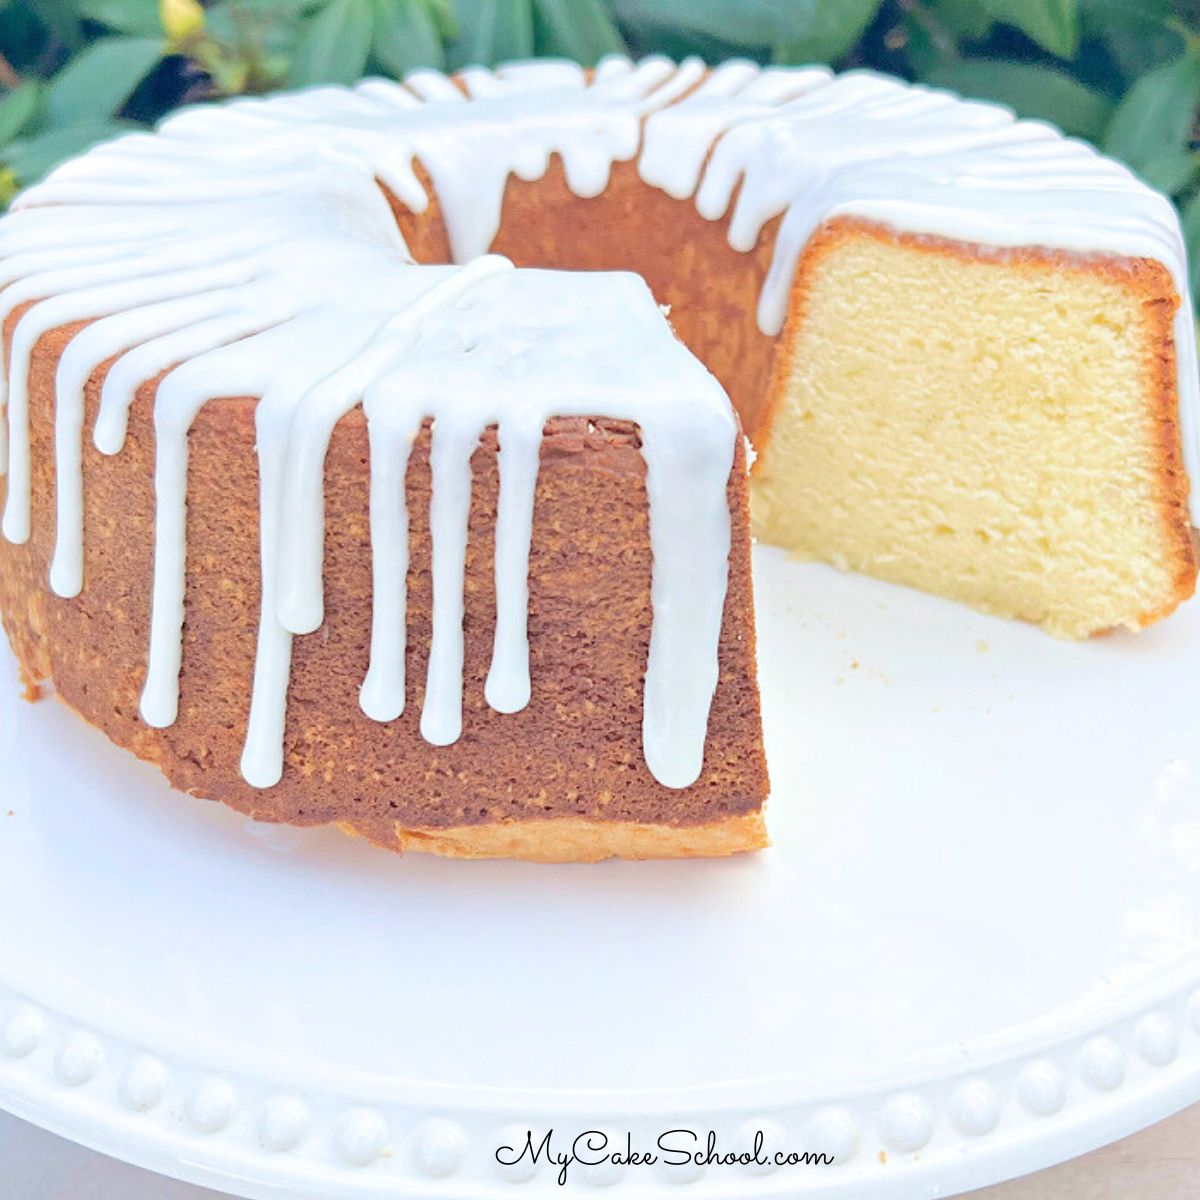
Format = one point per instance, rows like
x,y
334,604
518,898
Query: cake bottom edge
x,y
550,839
580,839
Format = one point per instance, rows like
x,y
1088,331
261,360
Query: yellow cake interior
x,y
995,428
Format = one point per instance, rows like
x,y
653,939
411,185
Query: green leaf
x,y
578,29
920,49
1138,35
1032,90
1170,170
272,25
968,19
18,108
1142,13
1190,220
491,31
126,16
746,23
98,80
677,43
1137,53
1156,113
406,36
445,19
31,158
59,18
274,8
1053,24
827,31
334,43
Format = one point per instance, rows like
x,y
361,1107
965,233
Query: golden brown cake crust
x,y
578,839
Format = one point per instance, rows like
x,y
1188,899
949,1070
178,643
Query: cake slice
x,y
996,426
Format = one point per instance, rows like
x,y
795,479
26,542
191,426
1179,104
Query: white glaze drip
x,y
559,358
245,250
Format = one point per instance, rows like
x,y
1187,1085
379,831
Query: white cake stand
x,y
974,949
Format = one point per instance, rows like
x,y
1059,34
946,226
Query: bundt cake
x,y
457,556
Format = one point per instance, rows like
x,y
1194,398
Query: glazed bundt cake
x,y
457,556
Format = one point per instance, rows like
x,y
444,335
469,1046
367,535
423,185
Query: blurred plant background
x,y
1122,73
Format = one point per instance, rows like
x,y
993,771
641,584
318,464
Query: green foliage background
x,y
1123,73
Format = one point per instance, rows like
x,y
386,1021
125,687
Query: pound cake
x,y
355,476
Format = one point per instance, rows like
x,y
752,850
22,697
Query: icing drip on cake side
x,y
247,250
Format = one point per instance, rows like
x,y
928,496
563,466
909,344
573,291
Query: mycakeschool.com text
x,y
681,1149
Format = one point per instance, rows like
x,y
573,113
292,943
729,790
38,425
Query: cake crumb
x,y
883,1156
981,646
854,664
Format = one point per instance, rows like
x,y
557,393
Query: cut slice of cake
x,y
996,427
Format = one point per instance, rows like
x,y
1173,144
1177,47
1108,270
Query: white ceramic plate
x,y
973,950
